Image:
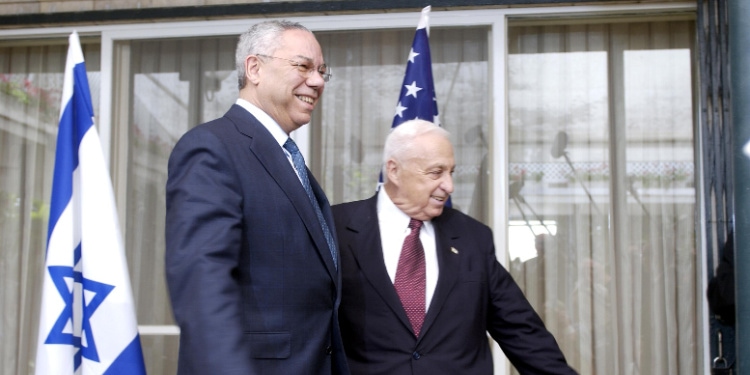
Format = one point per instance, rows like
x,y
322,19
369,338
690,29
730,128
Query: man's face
x,y
286,92
423,181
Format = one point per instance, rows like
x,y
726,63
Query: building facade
x,y
576,127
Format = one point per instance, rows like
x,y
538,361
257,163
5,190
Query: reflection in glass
x,y
601,148
175,85
31,80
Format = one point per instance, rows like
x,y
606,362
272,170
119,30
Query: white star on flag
x,y
412,55
413,90
400,110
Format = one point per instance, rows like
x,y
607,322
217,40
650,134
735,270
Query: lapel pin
x,y
454,250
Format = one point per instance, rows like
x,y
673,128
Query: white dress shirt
x,y
273,127
394,227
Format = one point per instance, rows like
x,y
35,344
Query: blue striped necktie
x,y
299,165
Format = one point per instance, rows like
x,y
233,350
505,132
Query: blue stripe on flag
x,y
76,119
87,320
130,360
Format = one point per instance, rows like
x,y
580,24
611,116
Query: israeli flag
x,y
87,321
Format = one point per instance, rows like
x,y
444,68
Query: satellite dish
x,y
559,145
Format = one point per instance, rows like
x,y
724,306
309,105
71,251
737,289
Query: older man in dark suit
x,y
421,284
251,260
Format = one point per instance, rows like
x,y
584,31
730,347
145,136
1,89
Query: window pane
x,y
602,197
174,85
360,101
31,80
178,83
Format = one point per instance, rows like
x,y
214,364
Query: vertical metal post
x,y
716,138
739,47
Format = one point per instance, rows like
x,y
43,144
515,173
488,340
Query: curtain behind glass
x,y
175,84
602,196
360,101
31,80
179,83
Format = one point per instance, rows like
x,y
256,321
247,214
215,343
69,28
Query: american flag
x,y
417,99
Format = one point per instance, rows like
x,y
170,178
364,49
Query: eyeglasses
x,y
305,68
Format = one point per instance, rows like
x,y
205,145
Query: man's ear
x,y
252,69
391,169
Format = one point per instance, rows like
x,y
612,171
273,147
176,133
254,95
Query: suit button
x,y
416,355
329,350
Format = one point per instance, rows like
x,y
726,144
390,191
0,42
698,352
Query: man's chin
x,y
435,212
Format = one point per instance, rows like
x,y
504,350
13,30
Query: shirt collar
x,y
392,216
273,127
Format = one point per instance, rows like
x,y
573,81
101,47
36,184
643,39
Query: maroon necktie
x,y
410,277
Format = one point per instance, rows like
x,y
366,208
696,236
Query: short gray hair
x,y
261,38
398,144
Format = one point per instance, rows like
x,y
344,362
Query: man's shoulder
x,y
454,216
235,119
361,211
342,208
460,222
216,125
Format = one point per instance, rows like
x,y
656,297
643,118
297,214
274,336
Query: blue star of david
x,y
100,292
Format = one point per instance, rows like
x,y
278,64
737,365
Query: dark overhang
x,y
259,9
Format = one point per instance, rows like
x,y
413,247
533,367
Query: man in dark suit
x,y
251,259
454,290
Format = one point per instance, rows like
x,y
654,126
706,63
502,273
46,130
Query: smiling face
x,y
420,181
284,91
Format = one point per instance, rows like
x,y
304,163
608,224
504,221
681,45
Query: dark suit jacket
x,y
474,295
250,276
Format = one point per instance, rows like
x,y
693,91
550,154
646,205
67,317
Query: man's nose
x,y
447,184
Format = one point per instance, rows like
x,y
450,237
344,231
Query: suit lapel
x,y
368,253
448,263
272,157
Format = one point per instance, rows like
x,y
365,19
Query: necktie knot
x,y
415,224
290,146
